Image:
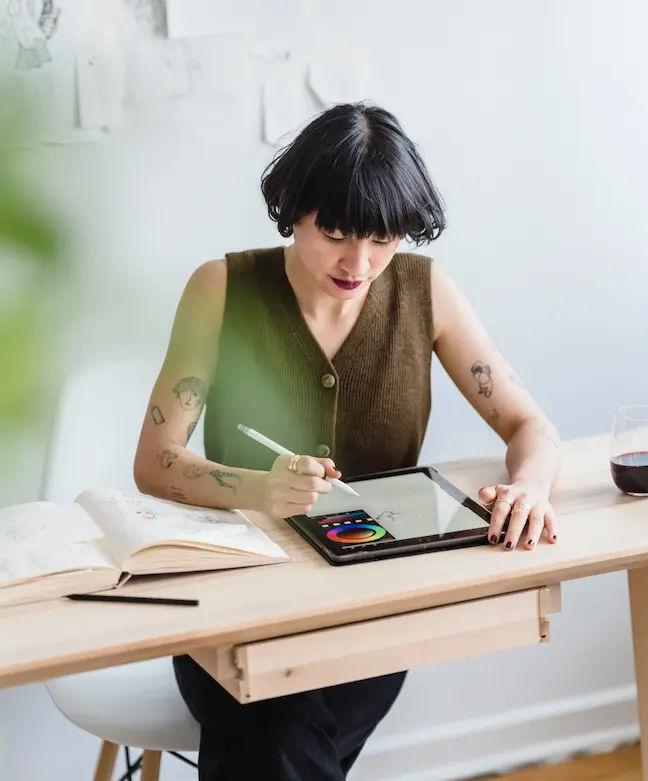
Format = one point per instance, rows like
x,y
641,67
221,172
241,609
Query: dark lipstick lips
x,y
346,285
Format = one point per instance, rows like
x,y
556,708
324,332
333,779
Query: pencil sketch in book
x,y
409,505
106,536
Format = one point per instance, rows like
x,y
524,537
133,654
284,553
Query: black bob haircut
x,y
354,166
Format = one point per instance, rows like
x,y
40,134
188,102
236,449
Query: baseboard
x,y
545,732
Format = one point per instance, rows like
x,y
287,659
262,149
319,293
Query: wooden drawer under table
x,y
325,657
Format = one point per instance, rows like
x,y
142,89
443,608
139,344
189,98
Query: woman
x,y
325,345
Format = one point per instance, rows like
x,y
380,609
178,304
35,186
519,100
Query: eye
x,y
332,239
386,241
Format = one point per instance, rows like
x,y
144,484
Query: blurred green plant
x,y
30,263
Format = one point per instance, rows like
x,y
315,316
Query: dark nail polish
x,y
555,537
508,545
493,538
530,542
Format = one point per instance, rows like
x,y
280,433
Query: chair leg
x,y
151,765
106,762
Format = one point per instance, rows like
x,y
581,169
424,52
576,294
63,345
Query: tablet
x,y
400,512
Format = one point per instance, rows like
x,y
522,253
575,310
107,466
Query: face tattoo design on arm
x,y
190,392
482,373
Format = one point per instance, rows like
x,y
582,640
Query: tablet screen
x,y
396,507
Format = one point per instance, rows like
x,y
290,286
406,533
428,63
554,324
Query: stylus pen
x,y
142,600
269,443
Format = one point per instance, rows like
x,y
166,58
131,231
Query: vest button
x,y
322,451
327,380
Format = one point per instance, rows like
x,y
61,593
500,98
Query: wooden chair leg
x,y
151,765
106,762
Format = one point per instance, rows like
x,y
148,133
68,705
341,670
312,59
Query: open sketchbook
x,y
105,536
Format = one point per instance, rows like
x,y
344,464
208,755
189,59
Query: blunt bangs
x,y
357,170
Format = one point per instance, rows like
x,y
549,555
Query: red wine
x,y
630,472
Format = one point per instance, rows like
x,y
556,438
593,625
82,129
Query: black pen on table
x,y
140,600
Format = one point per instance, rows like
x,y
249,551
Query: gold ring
x,y
521,506
292,464
505,501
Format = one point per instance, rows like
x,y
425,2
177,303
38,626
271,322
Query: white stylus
x,y
282,451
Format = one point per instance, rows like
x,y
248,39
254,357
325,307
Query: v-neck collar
x,y
301,329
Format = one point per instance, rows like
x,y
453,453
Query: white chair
x,y
92,444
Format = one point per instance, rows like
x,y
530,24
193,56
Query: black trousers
x,y
310,736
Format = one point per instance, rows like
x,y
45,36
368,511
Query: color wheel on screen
x,y
356,532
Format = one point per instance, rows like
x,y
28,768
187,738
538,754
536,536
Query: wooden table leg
x,y
638,584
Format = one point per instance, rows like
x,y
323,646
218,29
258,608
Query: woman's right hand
x,y
283,493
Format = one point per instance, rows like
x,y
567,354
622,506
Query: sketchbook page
x,y
132,521
409,505
37,525
29,563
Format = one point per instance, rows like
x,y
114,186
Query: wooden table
x,y
294,626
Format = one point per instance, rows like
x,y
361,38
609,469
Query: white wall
x,y
531,117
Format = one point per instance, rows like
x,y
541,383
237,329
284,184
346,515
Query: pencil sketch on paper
x,y
19,533
174,518
203,518
31,23
134,505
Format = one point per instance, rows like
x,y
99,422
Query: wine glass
x,y
629,450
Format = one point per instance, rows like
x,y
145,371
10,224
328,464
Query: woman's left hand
x,y
530,512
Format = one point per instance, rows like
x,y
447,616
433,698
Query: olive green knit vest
x,y
367,408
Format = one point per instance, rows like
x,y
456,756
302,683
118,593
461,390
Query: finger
x,y
307,465
517,522
310,483
499,514
487,494
281,462
536,524
329,466
550,527
302,497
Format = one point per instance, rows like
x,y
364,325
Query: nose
x,y
357,259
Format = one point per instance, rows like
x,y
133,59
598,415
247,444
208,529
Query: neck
x,y
314,303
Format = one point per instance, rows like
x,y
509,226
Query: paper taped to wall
x,y
283,100
100,85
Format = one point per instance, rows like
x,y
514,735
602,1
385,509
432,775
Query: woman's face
x,y
342,266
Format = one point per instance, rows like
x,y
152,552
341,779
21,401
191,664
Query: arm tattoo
x,y
482,374
190,429
156,414
190,393
177,493
167,458
194,471
221,477
494,417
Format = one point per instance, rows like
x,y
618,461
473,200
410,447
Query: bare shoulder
x,y
448,302
208,278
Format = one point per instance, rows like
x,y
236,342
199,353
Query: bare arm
x,y
492,387
164,466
